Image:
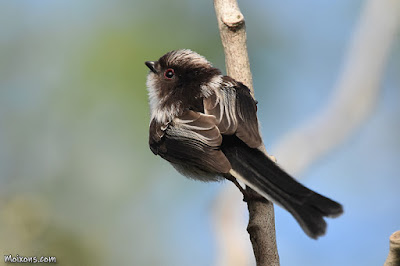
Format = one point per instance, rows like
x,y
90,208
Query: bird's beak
x,y
151,65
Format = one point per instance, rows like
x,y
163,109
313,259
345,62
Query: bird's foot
x,y
251,195
248,193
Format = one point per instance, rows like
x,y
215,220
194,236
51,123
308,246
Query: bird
x,y
205,125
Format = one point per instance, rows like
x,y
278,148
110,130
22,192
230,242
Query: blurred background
x,y
77,180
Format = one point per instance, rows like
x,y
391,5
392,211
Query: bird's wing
x,y
192,140
235,111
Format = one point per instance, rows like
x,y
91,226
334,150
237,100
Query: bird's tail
x,y
256,170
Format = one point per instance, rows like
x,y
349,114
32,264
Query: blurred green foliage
x,y
74,122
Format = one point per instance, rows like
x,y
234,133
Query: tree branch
x,y
355,94
261,225
393,258
233,36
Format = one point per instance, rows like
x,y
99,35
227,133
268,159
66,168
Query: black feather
x,y
307,206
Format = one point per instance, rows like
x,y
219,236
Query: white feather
x,y
240,178
188,55
213,86
162,114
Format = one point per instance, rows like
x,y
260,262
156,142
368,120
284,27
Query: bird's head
x,y
178,74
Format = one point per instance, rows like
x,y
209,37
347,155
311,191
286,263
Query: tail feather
x,y
256,170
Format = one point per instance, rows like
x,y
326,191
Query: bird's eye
x,y
169,73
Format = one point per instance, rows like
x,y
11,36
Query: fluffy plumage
x,y
205,124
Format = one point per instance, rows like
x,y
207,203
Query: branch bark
x,y
261,227
355,94
393,258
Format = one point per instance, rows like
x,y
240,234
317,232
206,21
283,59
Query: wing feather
x,y
191,143
235,111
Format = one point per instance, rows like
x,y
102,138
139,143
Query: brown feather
x,y
235,112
